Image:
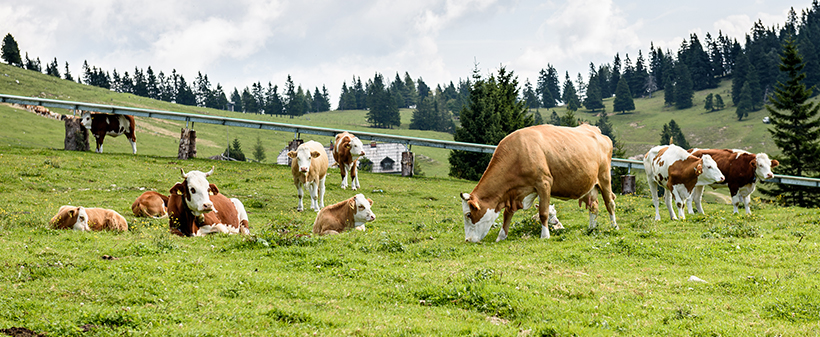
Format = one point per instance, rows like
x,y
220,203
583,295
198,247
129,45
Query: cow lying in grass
x,y
150,204
196,208
87,219
342,216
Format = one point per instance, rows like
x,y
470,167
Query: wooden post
x,y
187,144
407,164
627,184
76,135
292,146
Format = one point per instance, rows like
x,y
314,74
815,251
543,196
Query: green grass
x,y
410,273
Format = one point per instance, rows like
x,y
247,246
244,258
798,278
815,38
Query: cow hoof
x,y
300,209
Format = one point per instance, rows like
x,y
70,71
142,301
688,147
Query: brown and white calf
x,y
102,124
741,169
346,152
309,168
87,219
196,208
150,204
541,161
678,172
342,216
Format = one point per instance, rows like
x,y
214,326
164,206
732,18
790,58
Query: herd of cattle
x,y
541,161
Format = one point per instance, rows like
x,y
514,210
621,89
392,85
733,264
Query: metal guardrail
x,y
298,129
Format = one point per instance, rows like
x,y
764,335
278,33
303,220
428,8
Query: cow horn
x,y
209,173
184,175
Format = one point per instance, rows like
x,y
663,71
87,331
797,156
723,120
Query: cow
x,y
346,152
196,208
87,219
347,214
741,169
541,161
678,172
309,167
150,204
102,124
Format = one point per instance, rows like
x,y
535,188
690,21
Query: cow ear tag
x,y
210,192
179,192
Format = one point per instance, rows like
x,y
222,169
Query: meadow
x,y
410,273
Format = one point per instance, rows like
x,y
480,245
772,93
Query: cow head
x,y
763,166
303,155
361,209
356,147
477,220
195,191
85,119
708,171
82,220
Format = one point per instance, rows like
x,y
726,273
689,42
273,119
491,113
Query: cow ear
x,y
370,201
315,154
352,203
177,189
213,190
292,154
699,169
474,206
465,196
71,213
775,163
753,162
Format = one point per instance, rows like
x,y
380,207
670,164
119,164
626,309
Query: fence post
x,y
187,144
76,135
627,184
407,164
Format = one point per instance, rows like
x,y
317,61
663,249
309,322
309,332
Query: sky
x,y
240,42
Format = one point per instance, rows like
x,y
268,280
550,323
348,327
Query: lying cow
x,y
741,169
150,204
310,168
339,217
87,219
541,161
102,124
678,172
196,208
346,152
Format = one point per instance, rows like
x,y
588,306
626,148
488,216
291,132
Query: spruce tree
x,y
672,131
683,88
554,119
569,119
709,103
570,96
536,118
745,105
719,105
623,98
669,92
67,74
795,130
259,150
11,52
593,100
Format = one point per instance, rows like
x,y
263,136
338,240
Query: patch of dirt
x,y
149,128
726,199
635,125
21,332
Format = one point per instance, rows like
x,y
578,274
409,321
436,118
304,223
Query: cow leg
x,y
746,201
300,192
680,201
697,195
344,168
609,201
313,187
667,198
354,175
592,206
653,191
99,141
502,234
133,141
321,193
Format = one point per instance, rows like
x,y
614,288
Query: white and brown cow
x,y
678,172
87,219
196,208
541,161
347,214
309,167
741,169
346,152
150,204
102,124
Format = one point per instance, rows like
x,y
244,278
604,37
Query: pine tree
x,y
537,119
672,131
67,74
237,100
11,52
570,96
569,119
235,151
683,88
593,100
554,119
755,93
530,96
53,69
623,98
669,92
259,150
423,115
708,103
719,105
795,130
745,105
384,110
291,102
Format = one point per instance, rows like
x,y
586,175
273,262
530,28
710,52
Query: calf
x,y
196,208
350,213
678,172
150,204
741,169
310,168
88,219
346,151
101,124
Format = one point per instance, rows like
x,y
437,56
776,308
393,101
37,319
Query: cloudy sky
x,y
240,42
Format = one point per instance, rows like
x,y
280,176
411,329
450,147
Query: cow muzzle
x,y
769,175
207,207
303,169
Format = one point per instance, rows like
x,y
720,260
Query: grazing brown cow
x,y
346,153
347,214
101,124
150,204
196,208
310,168
539,161
678,172
741,169
87,219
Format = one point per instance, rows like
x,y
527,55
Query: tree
x,y
493,112
672,131
570,96
11,52
708,103
554,119
669,92
537,119
237,100
384,110
569,119
745,105
67,74
53,69
259,150
623,98
795,130
593,100
683,88
719,105
235,151
530,97
292,104
617,149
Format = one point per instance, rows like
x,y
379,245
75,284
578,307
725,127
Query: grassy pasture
x,y
410,273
